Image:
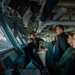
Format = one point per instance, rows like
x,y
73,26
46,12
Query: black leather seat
x,y
49,56
37,58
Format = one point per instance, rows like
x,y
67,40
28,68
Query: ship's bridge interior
x,y
20,18
41,16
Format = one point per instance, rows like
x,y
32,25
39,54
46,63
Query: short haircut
x,y
60,26
71,34
30,39
33,34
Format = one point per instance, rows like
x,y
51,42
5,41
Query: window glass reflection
x,y
4,40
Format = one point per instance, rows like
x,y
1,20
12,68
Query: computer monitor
x,y
19,5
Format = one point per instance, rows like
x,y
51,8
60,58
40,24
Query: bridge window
x,y
5,43
19,41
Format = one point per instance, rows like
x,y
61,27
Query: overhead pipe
x,y
47,23
71,29
67,3
49,6
68,23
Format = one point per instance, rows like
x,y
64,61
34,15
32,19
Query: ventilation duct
x,y
60,13
49,6
26,17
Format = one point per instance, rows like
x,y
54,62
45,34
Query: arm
x,y
70,67
65,57
41,39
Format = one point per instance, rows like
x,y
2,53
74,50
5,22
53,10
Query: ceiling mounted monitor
x,y
19,5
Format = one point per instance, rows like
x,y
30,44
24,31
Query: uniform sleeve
x,y
64,58
63,44
70,67
41,40
26,48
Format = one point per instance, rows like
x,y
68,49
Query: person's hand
x,y
46,49
40,52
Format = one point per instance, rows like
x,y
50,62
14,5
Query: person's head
x,y
70,39
41,46
73,41
59,29
30,40
33,36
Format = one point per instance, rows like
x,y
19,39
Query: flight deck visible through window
x,y
5,43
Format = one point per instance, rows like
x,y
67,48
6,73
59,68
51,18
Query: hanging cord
x,y
70,14
2,5
41,2
62,3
